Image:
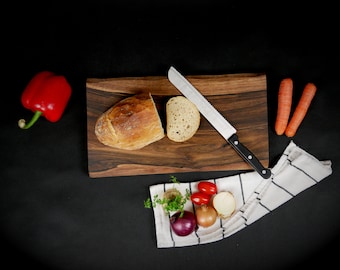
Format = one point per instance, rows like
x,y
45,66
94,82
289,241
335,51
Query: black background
x,y
53,216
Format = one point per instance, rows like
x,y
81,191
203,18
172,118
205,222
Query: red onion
x,y
184,225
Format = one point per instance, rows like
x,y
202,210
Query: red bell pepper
x,y
47,94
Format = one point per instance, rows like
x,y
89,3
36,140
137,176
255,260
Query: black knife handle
x,y
248,156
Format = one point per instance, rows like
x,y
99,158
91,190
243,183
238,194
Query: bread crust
x,y
130,124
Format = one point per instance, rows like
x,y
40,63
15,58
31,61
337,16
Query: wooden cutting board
x,y
241,98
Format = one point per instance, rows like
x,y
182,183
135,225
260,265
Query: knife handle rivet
x,y
236,142
250,157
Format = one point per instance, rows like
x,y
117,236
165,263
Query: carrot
x,y
301,109
283,105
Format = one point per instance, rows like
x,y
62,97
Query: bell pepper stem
x,y
22,123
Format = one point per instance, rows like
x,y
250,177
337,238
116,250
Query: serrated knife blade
x,y
216,119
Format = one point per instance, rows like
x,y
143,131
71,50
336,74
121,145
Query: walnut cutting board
x,y
241,98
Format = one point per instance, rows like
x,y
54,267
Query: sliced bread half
x,y
182,119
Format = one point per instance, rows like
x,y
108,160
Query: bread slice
x,y
130,124
182,119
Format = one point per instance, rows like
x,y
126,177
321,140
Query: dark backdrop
x,y
53,216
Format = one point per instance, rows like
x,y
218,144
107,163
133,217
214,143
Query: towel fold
x,y
295,171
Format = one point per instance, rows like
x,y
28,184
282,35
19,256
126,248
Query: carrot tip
x,y
289,135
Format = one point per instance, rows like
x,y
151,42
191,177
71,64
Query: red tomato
x,y
207,187
200,198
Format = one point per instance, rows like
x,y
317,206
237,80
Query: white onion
x,y
224,203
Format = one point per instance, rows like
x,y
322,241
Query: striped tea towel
x,y
295,171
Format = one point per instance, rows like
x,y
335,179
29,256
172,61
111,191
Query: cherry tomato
x,y
200,198
207,187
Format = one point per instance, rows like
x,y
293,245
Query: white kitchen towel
x,y
295,171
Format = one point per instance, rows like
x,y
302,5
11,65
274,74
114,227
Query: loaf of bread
x,y
182,119
130,124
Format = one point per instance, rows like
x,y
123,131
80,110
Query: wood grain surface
x,y
241,98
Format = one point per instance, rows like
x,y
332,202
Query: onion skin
x,y
206,215
185,225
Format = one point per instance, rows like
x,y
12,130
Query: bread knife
x,y
216,119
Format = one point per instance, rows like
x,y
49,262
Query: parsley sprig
x,y
172,200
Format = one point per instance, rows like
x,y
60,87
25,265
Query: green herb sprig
x,y
173,199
